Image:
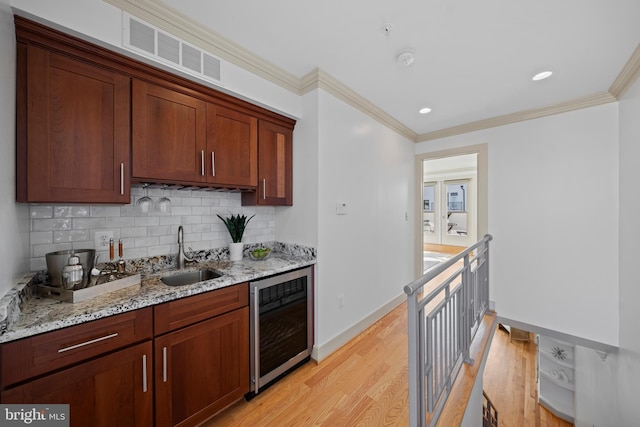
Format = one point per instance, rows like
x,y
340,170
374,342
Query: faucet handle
x,y
190,256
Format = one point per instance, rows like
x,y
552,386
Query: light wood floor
x,y
365,384
510,383
445,249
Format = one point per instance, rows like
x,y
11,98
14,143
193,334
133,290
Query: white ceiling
x,y
473,59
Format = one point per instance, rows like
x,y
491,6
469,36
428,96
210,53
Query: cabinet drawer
x,y
33,356
187,311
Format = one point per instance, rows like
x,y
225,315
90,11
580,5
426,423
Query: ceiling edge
x,y
172,21
628,76
535,113
322,80
168,19
161,15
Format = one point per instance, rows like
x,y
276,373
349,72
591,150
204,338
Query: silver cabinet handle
x,y
144,373
164,364
213,164
122,179
264,188
202,162
82,344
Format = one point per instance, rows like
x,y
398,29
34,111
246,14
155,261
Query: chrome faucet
x,y
182,257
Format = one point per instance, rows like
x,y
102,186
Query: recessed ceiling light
x,y
405,58
425,110
541,76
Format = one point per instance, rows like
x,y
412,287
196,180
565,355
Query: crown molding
x,y
168,19
520,116
628,76
318,79
161,15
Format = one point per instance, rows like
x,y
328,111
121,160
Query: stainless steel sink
x,y
190,277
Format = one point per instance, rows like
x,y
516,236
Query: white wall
x,y
366,256
608,390
555,254
13,218
628,379
597,396
299,223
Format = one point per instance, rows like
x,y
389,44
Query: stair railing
x,y
489,412
442,324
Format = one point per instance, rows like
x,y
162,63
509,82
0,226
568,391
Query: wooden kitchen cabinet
x,y
232,147
72,130
178,138
169,135
113,390
203,367
275,168
90,121
102,369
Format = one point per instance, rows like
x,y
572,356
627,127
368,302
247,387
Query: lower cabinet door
x,y
201,369
113,390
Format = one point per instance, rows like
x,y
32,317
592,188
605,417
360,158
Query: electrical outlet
x,y
101,239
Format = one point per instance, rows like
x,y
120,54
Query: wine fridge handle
x,y
255,293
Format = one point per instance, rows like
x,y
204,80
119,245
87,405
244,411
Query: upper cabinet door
x,y
275,168
232,145
74,146
169,135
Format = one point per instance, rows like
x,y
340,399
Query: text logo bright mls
x,y
36,415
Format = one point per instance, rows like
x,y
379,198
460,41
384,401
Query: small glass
x,y
163,205
144,202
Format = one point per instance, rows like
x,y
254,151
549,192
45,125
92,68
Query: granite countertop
x,y
38,315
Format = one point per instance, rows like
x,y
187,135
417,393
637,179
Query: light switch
x,y
341,208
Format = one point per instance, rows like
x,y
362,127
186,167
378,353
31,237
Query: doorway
x,y
452,202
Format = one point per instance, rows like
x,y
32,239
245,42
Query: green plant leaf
x,y
236,224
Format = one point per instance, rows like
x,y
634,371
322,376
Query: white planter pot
x,y
235,251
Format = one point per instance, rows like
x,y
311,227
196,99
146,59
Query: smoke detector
x,y
405,58
386,29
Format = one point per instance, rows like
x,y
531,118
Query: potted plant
x,y
236,224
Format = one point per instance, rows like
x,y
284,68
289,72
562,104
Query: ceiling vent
x,y
147,40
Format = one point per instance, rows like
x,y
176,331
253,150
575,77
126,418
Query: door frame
x,y
481,150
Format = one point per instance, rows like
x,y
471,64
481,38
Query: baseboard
x,y
318,353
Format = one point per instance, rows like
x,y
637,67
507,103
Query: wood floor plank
x,y
364,383
510,382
